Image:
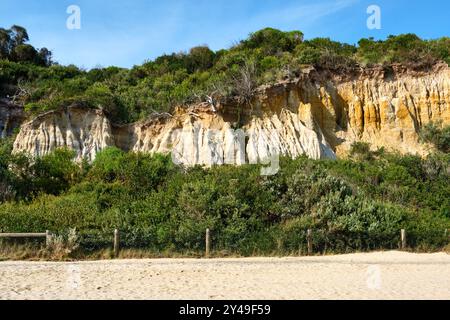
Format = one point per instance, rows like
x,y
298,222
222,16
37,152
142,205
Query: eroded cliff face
x,y
11,116
203,137
85,131
200,137
319,115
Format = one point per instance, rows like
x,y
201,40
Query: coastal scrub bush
x,y
438,135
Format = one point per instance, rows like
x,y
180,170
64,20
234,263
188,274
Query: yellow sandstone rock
x,y
319,115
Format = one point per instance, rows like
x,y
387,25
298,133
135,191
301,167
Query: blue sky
x,y
125,33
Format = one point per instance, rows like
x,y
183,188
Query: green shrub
x,y
361,150
55,172
272,41
163,209
437,135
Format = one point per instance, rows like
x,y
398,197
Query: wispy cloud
x,y
118,33
290,16
98,43
305,14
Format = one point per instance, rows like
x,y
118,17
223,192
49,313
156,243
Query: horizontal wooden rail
x,y
47,235
23,235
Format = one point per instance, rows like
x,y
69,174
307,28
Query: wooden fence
x,y
47,235
403,244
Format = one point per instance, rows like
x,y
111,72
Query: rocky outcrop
x,y
385,108
318,114
390,112
205,138
86,131
201,138
11,116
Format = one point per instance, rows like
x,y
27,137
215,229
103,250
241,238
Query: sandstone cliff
x,y
318,114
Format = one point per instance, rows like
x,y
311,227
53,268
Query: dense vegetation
x,y
355,204
266,56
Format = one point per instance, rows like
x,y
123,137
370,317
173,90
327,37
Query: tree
x,y
410,50
327,54
171,63
24,53
307,54
441,48
44,57
199,59
107,164
5,43
13,46
19,35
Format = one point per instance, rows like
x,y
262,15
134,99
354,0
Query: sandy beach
x,y
387,275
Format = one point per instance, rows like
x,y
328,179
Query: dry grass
x,y
23,252
137,254
30,252
57,248
57,251
447,249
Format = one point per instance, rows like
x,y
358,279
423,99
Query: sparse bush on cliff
x,y
407,49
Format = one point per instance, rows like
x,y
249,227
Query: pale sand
x,y
389,275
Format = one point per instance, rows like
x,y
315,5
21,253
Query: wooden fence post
x,y
47,238
403,239
208,243
310,244
116,243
